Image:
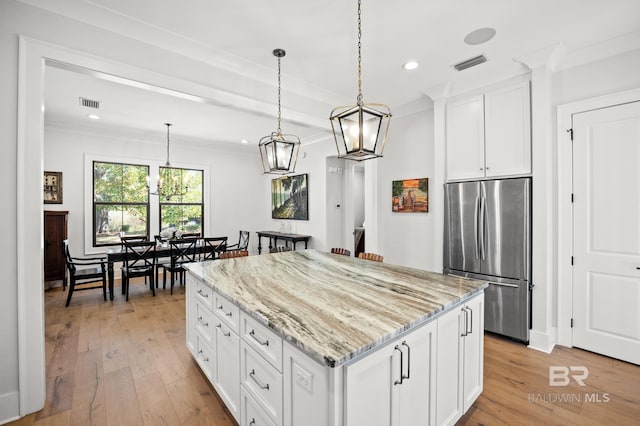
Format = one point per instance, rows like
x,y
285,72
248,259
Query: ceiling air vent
x,y
472,62
89,103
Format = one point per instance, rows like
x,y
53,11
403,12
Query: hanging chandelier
x,y
360,130
278,151
174,187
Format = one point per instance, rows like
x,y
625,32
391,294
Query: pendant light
x,y
360,130
278,151
174,188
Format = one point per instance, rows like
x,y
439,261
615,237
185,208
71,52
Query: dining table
x,y
163,249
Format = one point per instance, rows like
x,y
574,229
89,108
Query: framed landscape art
x,y
289,198
410,196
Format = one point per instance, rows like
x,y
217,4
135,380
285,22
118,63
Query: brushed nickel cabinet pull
x,y
260,385
399,382
252,333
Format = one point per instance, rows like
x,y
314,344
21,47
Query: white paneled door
x,y
606,279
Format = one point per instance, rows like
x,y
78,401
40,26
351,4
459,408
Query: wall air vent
x,y
89,103
472,62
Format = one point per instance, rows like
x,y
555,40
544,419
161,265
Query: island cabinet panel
x,y
460,360
227,376
262,340
396,384
252,414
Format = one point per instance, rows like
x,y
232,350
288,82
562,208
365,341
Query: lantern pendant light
x,y
360,130
278,151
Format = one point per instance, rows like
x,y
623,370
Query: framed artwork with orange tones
x,y
410,196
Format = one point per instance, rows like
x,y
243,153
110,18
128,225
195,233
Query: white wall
x,y
408,238
335,201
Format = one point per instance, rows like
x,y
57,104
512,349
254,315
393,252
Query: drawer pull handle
x,y
204,359
223,333
206,324
252,333
252,422
260,385
203,294
220,308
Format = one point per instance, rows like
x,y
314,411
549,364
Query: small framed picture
x,y
52,188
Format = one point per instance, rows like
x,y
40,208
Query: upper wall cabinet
x,y
490,134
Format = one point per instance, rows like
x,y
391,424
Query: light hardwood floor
x,y
126,363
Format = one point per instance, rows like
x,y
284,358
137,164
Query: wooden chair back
x,y
243,242
182,251
234,253
213,247
340,250
371,256
140,257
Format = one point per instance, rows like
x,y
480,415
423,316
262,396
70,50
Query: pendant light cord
x,y
279,111
359,54
168,125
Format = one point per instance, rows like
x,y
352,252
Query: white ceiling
x,y
320,39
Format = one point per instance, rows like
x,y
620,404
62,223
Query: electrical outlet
x,y
303,378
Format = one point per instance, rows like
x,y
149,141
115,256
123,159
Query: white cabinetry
x,y
489,135
212,338
396,384
430,375
460,360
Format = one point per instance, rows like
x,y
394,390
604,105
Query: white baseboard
x,y
543,342
9,407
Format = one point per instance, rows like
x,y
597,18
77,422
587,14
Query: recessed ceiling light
x,y
93,117
479,36
244,141
410,65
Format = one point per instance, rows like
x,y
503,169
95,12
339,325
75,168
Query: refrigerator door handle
x,y
475,225
482,220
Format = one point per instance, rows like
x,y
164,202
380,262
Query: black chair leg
x,y
125,289
153,286
72,284
104,288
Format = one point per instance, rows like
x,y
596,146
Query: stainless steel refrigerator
x,y
488,236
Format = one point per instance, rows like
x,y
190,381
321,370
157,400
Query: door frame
x,y
565,114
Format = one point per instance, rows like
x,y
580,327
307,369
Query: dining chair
x,y
243,242
234,253
371,256
181,252
85,270
340,250
280,249
140,261
213,247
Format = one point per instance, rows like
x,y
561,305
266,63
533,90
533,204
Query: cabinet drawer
x,y
262,381
227,312
204,294
263,340
204,356
252,414
205,321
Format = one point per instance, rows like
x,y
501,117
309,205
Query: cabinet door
x,y
227,378
474,350
417,394
450,351
371,394
465,139
508,131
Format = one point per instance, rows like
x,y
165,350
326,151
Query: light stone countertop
x,y
333,307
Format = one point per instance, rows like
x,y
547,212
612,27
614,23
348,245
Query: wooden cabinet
x,y
55,232
489,135
396,384
460,360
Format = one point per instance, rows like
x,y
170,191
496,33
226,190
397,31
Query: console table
x,y
275,236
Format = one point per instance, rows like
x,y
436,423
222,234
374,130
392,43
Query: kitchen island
x,y
307,337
